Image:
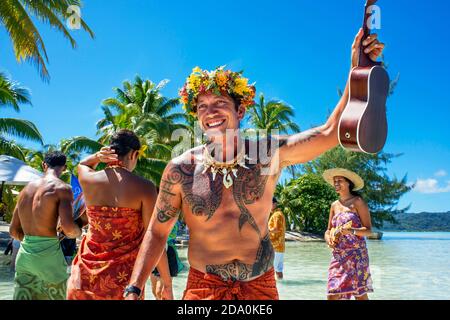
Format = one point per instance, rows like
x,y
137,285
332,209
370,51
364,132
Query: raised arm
x,y
87,166
307,145
164,216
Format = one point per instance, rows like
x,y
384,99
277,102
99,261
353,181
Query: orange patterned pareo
x,y
104,262
205,286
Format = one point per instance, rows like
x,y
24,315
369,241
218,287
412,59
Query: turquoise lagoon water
x,y
403,265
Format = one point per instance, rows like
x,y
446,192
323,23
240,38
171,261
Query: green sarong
x,y
41,270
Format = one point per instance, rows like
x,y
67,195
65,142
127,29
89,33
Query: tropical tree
x,y
381,192
138,106
16,16
305,202
12,95
35,158
273,115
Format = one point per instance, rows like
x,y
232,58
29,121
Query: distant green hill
x,y
423,221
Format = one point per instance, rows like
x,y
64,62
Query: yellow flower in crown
x,y
219,82
197,70
240,86
221,79
194,82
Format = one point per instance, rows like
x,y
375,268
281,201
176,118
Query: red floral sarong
x,y
104,262
205,286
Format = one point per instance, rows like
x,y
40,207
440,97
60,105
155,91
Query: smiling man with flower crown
x,y
225,192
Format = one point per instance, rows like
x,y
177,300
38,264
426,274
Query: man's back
x,y
38,206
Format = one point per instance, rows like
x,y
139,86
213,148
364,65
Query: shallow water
x,y
403,266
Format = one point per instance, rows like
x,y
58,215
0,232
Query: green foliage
x,y
424,221
271,115
17,16
381,192
12,94
35,158
305,201
140,107
9,200
20,128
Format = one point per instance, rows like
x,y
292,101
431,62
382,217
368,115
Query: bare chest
x,y
205,194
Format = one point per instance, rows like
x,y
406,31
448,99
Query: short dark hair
x,y
123,141
55,159
274,200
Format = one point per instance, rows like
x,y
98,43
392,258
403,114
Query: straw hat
x,y
329,174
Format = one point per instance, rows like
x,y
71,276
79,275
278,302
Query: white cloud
x,y
430,186
440,173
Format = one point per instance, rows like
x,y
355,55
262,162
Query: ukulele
x,y
363,124
335,233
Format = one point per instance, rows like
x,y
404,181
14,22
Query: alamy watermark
x,y
374,20
74,19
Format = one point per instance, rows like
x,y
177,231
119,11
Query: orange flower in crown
x,y
219,82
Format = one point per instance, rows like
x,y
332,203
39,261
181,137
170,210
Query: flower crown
x,y
219,82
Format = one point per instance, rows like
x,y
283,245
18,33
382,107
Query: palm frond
x,y
82,144
46,14
20,128
12,93
11,148
26,39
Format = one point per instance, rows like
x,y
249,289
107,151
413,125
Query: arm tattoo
x,y
167,213
297,139
238,271
303,137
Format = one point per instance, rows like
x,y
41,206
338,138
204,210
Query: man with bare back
x,y
224,189
41,269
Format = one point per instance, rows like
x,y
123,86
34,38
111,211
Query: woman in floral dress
x,y
349,222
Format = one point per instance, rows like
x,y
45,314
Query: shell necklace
x,y
227,169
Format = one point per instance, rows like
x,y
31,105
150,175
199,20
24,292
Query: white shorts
x,y
278,262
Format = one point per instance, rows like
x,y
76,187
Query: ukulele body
x,y
363,123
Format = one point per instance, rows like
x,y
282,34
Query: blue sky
x,y
297,51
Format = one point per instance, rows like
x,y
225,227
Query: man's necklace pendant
x,y
227,169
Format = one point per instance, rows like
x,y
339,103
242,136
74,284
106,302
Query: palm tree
x,y
274,115
16,16
34,158
140,107
11,95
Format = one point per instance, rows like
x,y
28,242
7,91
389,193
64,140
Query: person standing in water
x,y
119,206
277,229
224,188
41,270
349,222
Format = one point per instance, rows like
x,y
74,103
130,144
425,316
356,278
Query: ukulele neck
x,y
364,59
